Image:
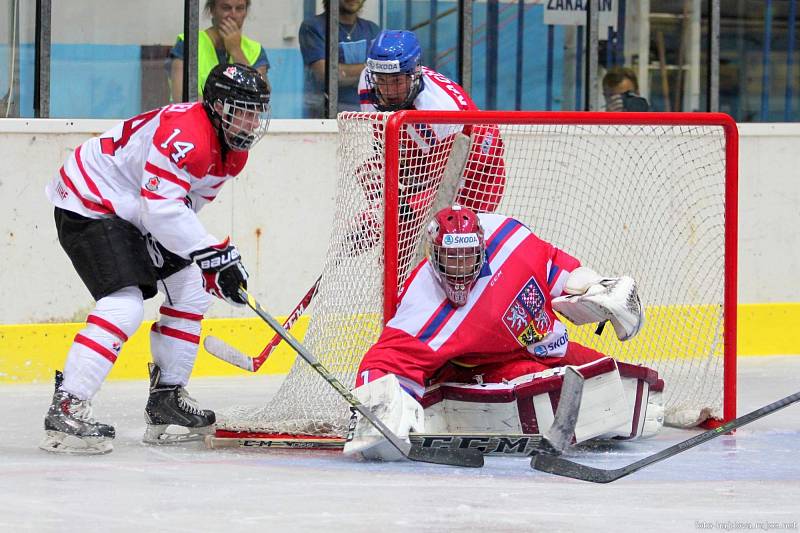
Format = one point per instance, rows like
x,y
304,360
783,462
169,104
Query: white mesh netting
x,y
643,200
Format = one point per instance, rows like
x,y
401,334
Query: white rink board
x,y
280,209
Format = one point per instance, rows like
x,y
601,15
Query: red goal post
x,y
651,195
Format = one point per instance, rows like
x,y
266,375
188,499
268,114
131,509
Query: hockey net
x,y
644,194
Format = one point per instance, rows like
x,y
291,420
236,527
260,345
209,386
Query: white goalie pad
x,y
397,409
591,298
654,416
614,403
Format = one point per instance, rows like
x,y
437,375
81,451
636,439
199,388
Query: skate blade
x,y
58,442
159,434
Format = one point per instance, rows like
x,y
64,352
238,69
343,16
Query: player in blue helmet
x,y
393,70
393,81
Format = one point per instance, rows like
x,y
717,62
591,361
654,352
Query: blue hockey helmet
x,y
394,73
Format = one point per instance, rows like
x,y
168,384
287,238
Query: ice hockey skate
x,y
70,428
171,405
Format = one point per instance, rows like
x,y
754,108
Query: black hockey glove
x,y
223,271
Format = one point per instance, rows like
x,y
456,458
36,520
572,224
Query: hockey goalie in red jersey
x,y
126,215
475,345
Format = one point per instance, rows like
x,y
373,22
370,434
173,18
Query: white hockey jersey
x,y
439,93
155,170
426,147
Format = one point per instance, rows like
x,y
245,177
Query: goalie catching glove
x,y
592,298
223,271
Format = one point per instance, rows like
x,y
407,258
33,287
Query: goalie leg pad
x,y
643,393
527,404
397,409
604,406
654,417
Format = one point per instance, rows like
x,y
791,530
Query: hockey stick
x,y
564,467
517,445
448,189
559,435
222,350
471,458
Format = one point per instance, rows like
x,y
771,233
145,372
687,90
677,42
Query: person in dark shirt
x,y
355,36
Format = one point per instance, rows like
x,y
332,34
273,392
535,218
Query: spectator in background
x,y
621,91
222,42
355,36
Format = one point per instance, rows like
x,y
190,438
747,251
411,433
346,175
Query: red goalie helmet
x,y
456,250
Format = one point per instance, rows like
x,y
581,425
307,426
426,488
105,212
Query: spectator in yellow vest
x,y
222,42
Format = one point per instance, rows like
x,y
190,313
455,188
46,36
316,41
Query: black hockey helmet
x,y
237,96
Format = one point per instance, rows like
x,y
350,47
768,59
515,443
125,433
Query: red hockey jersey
x,y
508,314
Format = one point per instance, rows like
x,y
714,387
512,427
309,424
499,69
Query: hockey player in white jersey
x,y
395,80
126,214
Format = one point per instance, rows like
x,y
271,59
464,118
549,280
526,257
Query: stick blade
x,y
561,431
444,456
222,350
566,468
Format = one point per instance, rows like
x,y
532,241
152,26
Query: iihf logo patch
x,y
526,317
116,346
152,184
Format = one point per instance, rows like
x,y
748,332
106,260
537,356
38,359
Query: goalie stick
x,y
517,445
222,350
564,467
461,457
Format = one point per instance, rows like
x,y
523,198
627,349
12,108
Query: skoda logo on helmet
x,y
460,240
375,65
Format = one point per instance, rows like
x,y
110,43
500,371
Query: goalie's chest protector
x,y
508,313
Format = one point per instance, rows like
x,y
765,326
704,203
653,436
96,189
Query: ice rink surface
x,y
750,481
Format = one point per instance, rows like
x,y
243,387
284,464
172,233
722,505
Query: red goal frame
x,y
398,120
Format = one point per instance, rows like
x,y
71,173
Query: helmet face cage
x,y
244,123
457,269
393,92
237,99
456,250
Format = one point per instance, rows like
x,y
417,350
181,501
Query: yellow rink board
x,y
30,352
